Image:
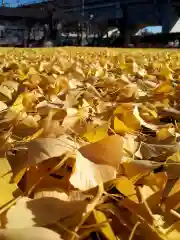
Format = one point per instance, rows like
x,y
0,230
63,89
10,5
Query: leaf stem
x,y
133,230
174,213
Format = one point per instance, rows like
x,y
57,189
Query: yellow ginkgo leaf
x,y
126,187
174,158
105,229
165,87
131,121
173,232
18,176
163,134
8,191
34,136
17,106
97,133
120,127
123,108
166,72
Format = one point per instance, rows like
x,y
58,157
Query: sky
x,y
154,29
14,3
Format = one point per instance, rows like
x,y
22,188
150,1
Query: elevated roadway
x,y
127,15
22,13
131,14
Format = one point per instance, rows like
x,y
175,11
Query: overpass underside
x,y
126,15
96,16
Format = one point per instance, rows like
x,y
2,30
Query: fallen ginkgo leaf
x,y
88,174
35,233
36,211
42,149
106,151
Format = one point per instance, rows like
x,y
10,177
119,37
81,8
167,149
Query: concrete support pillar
x,y
59,33
168,15
167,18
29,26
126,35
124,28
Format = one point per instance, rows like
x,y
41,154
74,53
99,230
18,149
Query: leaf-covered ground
x,y
89,144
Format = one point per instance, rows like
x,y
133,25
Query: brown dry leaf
x,y
36,181
106,151
152,198
136,209
147,151
136,169
172,170
157,181
171,195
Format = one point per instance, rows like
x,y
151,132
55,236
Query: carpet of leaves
x,y
89,144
